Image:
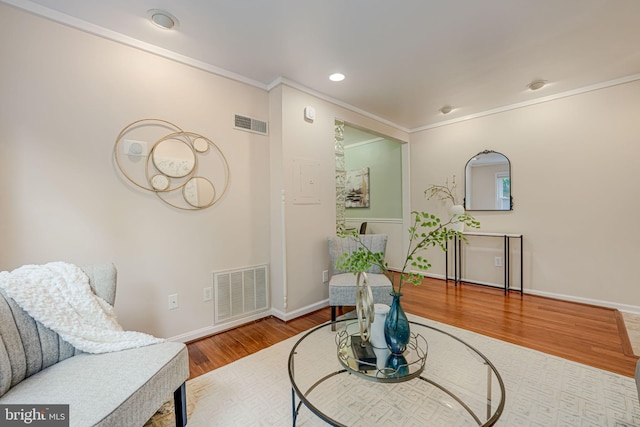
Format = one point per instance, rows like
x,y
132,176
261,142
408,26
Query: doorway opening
x,y
370,184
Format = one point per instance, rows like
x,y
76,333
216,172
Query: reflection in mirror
x,y
200,145
173,158
199,192
488,182
160,182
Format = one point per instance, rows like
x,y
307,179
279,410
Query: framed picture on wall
x,y
357,187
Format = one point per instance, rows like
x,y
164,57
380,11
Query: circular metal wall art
x,y
184,169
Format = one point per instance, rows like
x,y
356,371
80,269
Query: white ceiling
x,y
403,59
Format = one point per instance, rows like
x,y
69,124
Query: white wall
x,y
64,97
574,189
308,226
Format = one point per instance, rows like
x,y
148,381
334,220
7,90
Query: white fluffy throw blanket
x,y
58,295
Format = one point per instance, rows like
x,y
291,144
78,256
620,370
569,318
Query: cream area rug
x,y
541,390
632,324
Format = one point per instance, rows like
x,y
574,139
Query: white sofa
x,y
123,388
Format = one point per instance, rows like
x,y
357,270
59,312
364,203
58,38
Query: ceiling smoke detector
x,y
162,19
536,84
446,109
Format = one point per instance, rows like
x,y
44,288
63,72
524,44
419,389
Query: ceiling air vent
x,y
250,125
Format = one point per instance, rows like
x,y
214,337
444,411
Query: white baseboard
x,y
285,317
216,329
434,276
622,307
609,304
375,220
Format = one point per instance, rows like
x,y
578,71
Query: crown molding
x,y
566,94
105,33
286,82
361,143
87,27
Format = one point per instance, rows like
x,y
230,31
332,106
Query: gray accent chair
x,y
122,388
342,285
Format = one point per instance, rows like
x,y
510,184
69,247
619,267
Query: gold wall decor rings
x,y
184,169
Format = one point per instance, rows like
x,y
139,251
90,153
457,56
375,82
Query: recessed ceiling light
x,y
537,84
336,77
162,19
446,109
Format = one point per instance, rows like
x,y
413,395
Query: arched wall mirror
x,y
488,182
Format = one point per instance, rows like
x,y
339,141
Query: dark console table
x,y
457,257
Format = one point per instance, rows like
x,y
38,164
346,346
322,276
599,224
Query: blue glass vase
x,y
396,365
396,327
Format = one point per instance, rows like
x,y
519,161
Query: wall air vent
x,y
240,293
250,125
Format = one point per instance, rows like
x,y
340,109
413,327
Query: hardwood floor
x,y
218,350
583,333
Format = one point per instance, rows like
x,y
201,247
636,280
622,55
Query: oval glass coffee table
x,y
445,381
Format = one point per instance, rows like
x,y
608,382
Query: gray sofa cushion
x,y
122,388
102,279
27,347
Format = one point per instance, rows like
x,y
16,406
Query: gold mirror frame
x,y
173,177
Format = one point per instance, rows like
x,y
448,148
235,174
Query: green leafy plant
x,y
443,192
427,230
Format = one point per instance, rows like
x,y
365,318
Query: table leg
x,y
455,260
506,264
293,406
459,246
446,261
521,268
488,391
509,262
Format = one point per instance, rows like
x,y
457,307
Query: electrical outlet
x,y
207,293
498,261
173,301
325,276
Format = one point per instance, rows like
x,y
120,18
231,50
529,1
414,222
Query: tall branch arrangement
x,y
443,192
427,230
